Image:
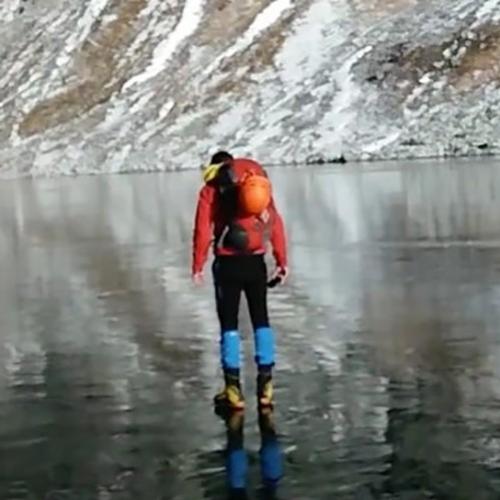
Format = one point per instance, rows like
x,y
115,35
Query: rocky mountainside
x,y
90,86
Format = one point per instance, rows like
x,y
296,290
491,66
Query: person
x,y
239,236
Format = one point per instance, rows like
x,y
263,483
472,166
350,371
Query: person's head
x,y
219,166
221,157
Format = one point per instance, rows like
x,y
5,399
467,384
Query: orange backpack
x,y
254,194
245,201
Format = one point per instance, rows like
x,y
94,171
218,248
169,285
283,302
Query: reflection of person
x,y
271,464
236,457
237,213
271,460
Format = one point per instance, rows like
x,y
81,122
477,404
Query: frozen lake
x,y
388,373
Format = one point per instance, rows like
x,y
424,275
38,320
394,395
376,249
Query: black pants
x,y
236,274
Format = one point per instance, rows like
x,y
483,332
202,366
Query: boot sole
x,y
225,404
266,404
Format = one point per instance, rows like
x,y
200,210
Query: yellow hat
x,y
210,171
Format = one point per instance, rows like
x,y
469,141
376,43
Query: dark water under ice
x,y
388,374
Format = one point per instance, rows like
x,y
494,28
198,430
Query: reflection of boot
x,y
236,458
271,460
231,396
266,423
265,389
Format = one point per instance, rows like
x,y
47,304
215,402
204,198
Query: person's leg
x,y
227,294
255,288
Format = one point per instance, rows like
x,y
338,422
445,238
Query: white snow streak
x,y
114,115
16,67
231,121
159,22
140,104
8,10
376,146
191,17
263,21
335,123
323,29
165,109
160,124
488,8
82,29
345,81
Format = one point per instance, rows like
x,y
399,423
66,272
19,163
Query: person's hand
x,y
198,279
279,275
282,273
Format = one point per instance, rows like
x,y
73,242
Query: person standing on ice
x,y
236,214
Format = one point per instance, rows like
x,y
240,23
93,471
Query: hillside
x,y
89,86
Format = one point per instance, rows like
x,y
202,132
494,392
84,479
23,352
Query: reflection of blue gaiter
x,y
264,346
230,349
271,465
236,467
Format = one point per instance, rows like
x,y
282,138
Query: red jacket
x,y
210,222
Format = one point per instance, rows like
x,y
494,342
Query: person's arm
x,y
278,242
202,233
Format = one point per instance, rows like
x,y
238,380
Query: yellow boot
x,y
231,396
265,390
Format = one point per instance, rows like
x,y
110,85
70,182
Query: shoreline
x,y
334,163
